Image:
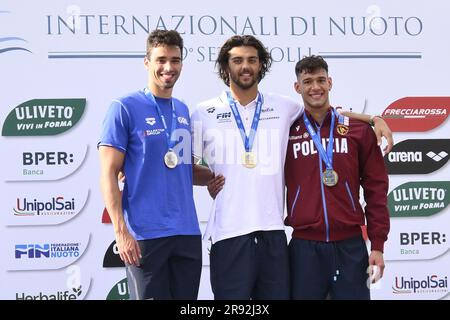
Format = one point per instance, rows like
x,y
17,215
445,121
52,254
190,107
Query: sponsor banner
x,y
43,161
418,199
417,114
111,259
414,280
414,240
119,291
31,251
27,205
43,117
105,217
67,284
418,156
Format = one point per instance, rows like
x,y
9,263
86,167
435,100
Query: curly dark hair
x,y
239,41
164,38
310,64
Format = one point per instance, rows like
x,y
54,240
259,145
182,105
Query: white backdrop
x,y
53,243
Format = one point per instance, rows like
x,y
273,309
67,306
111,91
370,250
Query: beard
x,y
235,78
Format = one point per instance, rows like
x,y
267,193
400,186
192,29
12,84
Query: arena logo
x,y
428,284
418,156
119,291
47,162
111,258
418,199
417,114
43,117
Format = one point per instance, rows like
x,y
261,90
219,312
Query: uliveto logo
x,y
417,114
119,291
418,156
418,199
43,117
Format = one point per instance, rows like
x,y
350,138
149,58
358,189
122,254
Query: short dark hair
x,y
240,41
164,38
310,64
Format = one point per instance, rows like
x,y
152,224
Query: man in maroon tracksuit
x,y
329,157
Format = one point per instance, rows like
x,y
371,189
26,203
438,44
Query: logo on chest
x,y
150,121
307,147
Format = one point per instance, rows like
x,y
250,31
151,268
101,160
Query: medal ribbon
x,y
327,157
247,140
170,138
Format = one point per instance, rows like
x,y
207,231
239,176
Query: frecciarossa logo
x,y
417,114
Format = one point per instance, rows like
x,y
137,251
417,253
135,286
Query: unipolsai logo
x,y
416,285
43,206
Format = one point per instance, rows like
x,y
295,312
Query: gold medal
x,y
171,159
330,178
249,159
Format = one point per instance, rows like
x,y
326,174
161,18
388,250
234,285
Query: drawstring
x,y
336,261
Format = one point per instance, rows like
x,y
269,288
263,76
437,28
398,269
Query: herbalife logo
x,y
437,157
73,294
418,156
429,284
43,117
418,199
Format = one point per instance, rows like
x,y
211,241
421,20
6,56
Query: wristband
x,y
371,121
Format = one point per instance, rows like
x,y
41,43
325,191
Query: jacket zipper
x,y
295,201
325,212
350,195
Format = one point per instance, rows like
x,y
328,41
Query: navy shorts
x,y
252,266
337,270
170,268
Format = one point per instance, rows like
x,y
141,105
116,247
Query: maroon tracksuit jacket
x,y
322,213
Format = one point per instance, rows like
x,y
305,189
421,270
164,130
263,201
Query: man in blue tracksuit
x,y
146,134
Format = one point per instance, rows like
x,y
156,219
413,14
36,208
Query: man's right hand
x,y
129,250
215,185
